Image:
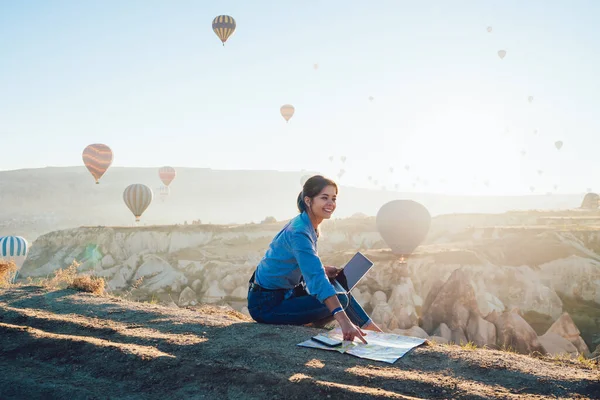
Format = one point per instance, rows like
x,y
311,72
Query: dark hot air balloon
x,y
403,225
224,26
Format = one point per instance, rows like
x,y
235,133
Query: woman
x,y
276,295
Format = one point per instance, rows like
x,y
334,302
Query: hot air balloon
x,y
391,170
14,248
316,66
224,27
287,111
163,192
166,175
97,158
558,144
343,158
403,225
530,99
137,197
331,158
489,29
501,54
303,179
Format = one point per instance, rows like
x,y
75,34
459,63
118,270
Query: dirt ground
x,y
64,344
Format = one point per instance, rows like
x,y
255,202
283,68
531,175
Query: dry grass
x,y
136,284
8,269
67,278
89,284
469,346
63,277
567,360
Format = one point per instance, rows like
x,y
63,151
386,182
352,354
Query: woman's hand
x,y
332,271
351,331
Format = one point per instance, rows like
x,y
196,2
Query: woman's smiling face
x,y
323,205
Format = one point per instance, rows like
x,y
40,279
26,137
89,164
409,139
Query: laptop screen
x,y
353,272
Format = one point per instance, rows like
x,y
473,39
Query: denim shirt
x,y
291,255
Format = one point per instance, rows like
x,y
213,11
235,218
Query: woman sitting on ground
x,y
276,295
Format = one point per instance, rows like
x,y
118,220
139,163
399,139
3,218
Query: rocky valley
x,y
522,281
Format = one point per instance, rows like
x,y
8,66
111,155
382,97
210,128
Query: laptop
x,y
352,273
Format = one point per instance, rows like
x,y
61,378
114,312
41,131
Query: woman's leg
x,y
297,310
290,309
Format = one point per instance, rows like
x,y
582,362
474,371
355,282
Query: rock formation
x,y
501,281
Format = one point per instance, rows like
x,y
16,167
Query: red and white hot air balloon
x,y
97,158
167,174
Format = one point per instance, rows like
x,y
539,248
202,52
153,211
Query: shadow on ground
x,y
66,344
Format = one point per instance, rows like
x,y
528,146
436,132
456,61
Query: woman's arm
x,y
349,330
311,266
318,284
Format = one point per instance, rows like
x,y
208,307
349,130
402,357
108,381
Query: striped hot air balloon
x,y
13,248
287,111
166,175
97,158
137,198
224,27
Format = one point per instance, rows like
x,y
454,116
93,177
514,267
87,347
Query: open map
x,y
386,347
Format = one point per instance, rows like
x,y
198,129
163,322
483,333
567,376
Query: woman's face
x,y
323,204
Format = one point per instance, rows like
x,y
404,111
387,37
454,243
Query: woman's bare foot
x,y
372,327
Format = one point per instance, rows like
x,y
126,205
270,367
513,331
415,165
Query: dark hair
x,y
312,187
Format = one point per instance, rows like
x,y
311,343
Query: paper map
x,y
386,347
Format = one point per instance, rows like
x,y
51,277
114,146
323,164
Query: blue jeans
x,y
284,307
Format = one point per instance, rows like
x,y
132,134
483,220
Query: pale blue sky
x,y
150,79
